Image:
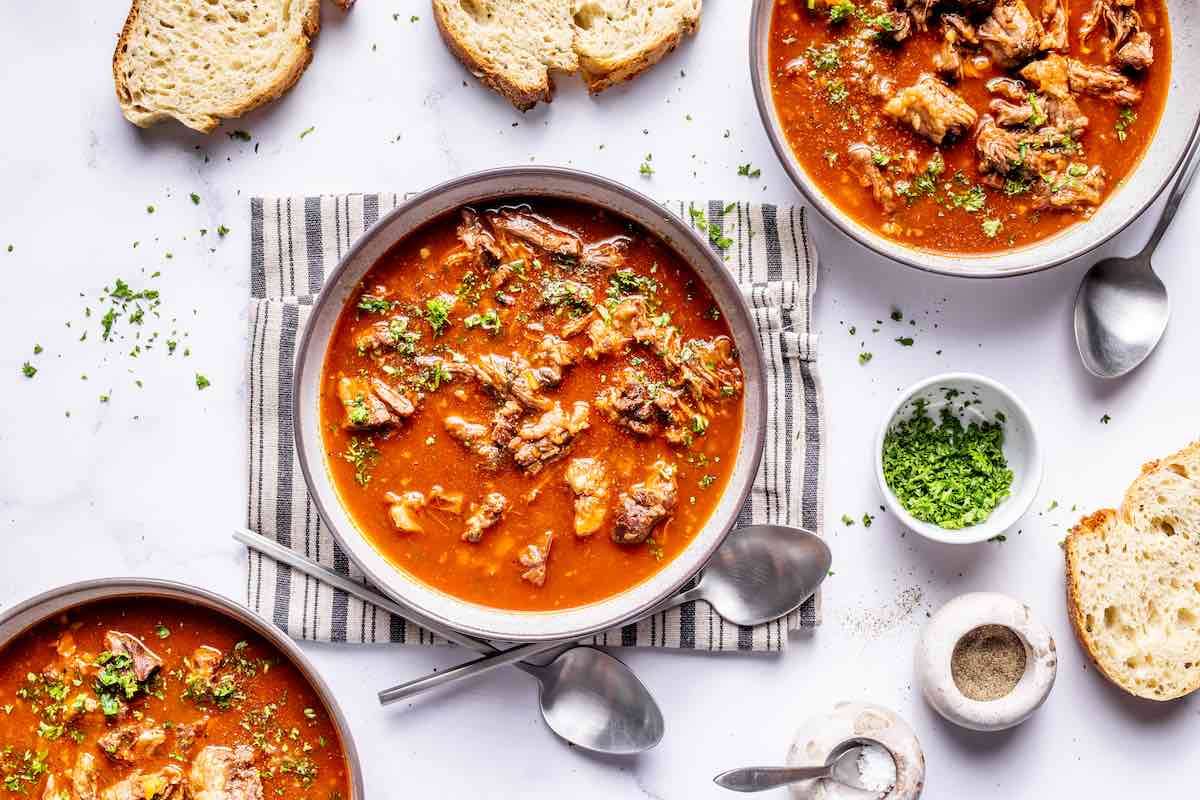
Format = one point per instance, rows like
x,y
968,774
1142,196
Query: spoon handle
x,y
1186,172
492,661
296,561
759,779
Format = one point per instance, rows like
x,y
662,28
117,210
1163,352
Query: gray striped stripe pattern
x,y
294,240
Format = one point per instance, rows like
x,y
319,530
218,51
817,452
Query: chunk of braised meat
x,y
1011,34
385,333
646,505
1055,34
1103,82
371,403
973,9
554,350
442,500
1004,153
129,743
484,516
487,441
608,254
403,509
610,331
588,479
1119,20
505,271
477,237
84,777
535,559
871,176
957,33
1137,53
144,660
707,368
203,663
515,377
163,784
919,10
549,437
628,403
188,733
931,109
1075,189
894,26
1051,76
538,232
225,773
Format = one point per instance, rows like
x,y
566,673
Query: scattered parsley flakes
x,y
202,382
645,170
864,357
307,131
195,198
162,631
991,227
149,209
243,136
222,230
905,341
746,170
867,519
847,520
437,313
28,370
37,349
1106,419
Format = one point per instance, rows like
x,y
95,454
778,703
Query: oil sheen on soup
x,y
531,405
969,126
154,699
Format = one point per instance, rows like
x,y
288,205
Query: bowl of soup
x,y
977,138
529,403
151,689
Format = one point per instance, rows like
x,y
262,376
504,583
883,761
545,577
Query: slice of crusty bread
x,y
1133,581
514,45
618,39
200,61
511,45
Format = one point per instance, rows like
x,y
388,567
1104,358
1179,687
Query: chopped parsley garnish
x,y
195,198
243,136
307,131
488,321
841,11
905,341
836,91
707,481
715,234
1106,419
222,230
202,382
746,170
434,376
991,227
437,313
28,370
864,357
567,294
825,59
972,201
375,305
1125,119
645,170
363,454
847,520
626,281
867,519
162,631
946,474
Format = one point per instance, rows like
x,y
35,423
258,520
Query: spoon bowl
x,y
595,701
842,766
1121,312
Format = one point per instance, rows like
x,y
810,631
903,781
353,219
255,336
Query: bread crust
x,y
1096,525
524,98
206,123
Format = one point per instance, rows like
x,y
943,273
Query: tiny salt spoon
x,y
607,711
841,767
1121,308
759,574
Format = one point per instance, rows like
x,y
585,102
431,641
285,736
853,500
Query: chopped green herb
x,y
748,171
991,227
307,131
195,198
645,170
905,341
864,357
243,136
847,520
946,474
488,321
28,370
437,313
375,305
201,381
363,454
1106,419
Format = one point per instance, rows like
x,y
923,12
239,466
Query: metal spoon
x,y
760,573
841,766
1121,309
590,699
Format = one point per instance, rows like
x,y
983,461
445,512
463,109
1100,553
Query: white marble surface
x,y
151,482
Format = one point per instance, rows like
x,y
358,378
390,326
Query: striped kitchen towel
x,y
296,240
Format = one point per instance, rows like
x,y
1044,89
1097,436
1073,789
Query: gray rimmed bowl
x,y
20,618
341,286
1179,125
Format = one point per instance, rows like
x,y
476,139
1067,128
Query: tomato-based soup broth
x,y
531,405
969,126
155,699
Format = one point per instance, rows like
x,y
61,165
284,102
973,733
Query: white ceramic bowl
x,y
1177,127
1021,449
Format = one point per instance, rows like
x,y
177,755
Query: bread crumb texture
x,y
513,46
1133,581
201,61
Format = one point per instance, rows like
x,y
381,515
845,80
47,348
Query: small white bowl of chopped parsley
x,y
958,459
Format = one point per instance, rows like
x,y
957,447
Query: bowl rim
x,y
995,524
760,25
497,624
16,620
